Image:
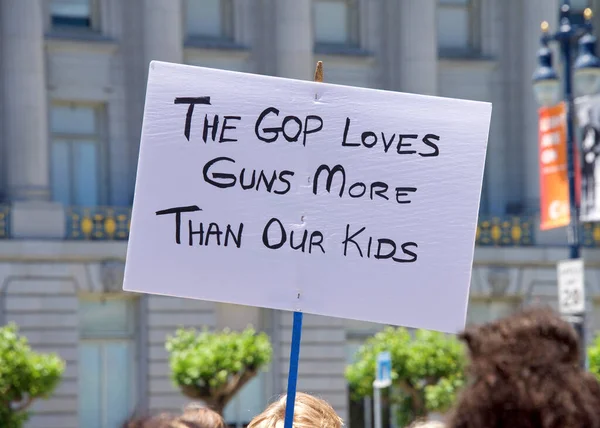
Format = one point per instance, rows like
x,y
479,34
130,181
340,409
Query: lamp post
x,y
584,73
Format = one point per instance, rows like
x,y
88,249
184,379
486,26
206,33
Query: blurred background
x,y
73,76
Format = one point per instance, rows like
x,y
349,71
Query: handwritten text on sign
x,y
296,195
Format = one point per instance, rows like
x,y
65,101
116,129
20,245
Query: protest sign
x,y
305,196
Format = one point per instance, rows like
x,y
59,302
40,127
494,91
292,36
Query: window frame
x,y
580,10
227,33
473,47
128,338
131,304
99,137
94,18
352,22
578,19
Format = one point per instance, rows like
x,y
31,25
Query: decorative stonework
x,y
505,231
499,281
4,221
98,223
112,273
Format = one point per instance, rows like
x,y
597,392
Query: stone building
x,y
73,75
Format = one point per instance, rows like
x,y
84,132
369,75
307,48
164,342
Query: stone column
x,y
534,12
497,165
24,98
294,39
163,31
417,36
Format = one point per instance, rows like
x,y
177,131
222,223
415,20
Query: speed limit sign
x,y
571,287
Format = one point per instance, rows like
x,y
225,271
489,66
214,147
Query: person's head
x,y
195,416
524,372
159,421
309,412
427,424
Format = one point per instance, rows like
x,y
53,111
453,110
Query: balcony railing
x,y
590,235
112,224
98,223
4,221
505,231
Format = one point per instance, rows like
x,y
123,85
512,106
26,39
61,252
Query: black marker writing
x,y
188,117
177,211
386,248
401,142
214,230
275,227
291,127
357,189
204,234
273,182
225,127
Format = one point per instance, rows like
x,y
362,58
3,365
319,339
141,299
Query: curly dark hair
x,y
525,373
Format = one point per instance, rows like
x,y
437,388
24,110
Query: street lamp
x,y
585,74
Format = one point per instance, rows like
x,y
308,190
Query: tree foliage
x,y
593,353
427,370
24,376
214,366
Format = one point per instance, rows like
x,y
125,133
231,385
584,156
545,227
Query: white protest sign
x,y
364,206
571,287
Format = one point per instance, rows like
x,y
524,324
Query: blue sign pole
x,y
296,332
293,374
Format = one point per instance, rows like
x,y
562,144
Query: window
x,y
336,22
106,363
209,19
580,5
76,154
246,404
71,13
577,8
455,26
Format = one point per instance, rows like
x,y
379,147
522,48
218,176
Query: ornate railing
x,y
590,235
519,232
112,224
4,221
98,223
505,231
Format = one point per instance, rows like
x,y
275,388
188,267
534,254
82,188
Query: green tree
x,y
593,353
427,370
24,376
214,366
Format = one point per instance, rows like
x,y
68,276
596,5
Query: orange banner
x,y
554,182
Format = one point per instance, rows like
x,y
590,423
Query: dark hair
x,y
524,373
159,421
195,416
192,417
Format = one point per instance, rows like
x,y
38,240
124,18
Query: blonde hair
x,y
428,424
309,412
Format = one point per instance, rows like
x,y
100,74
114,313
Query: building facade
x,y
73,75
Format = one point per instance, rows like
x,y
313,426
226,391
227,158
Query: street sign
x,y
571,287
383,377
